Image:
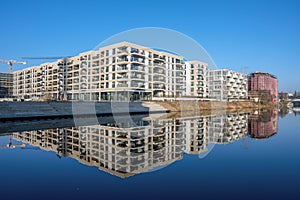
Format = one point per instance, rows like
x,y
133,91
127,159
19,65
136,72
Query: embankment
x,y
42,110
213,107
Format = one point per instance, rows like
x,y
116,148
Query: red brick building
x,y
263,125
263,86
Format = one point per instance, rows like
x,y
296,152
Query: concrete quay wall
x,y
27,110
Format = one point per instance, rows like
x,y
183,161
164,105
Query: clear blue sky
x,y
261,35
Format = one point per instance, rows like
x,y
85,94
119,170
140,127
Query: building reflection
x,y
263,124
283,112
124,150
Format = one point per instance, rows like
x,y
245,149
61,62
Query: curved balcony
x,y
159,86
137,60
159,78
137,68
137,77
137,52
122,60
138,85
159,70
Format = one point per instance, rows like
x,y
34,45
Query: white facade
x,y
225,84
122,71
127,72
126,150
196,79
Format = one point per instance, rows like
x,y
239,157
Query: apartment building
x,y
196,79
120,150
6,85
225,84
196,132
124,149
263,86
225,129
122,71
263,125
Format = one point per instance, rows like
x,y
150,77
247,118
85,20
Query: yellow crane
x,y
10,145
11,63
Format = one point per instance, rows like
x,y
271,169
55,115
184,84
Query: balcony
x,y
137,76
122,84
180,74
157,78
159,58
122,50
96,57
159,71
137,68
137,60
137,84
159,86
121,68
122,76
137,52
179,67
159,65
122,59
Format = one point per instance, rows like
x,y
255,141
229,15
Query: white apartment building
x,y
196,79
126,72
117,150
124,150
225,84
122,71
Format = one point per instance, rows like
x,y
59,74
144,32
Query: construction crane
x,y
11,63
10,145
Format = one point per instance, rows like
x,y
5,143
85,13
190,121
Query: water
x,y
207,157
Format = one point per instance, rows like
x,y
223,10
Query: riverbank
x,y
214,107
44,110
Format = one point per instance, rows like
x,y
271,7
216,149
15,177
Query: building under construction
x,y
6,85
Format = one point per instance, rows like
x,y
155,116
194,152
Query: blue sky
x,y
261,35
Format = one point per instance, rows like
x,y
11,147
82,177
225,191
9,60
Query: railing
x,y
139,85
122,85
122,60
139,60
137,68
121,51
137,77
159,71
121,68
162,87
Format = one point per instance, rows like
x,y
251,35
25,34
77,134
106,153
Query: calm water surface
x,y
236,156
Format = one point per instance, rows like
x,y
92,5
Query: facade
x,y
6,85
219,129
123,71
124,150
283,96
196,79
263,86
127,72
263,125
225,84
